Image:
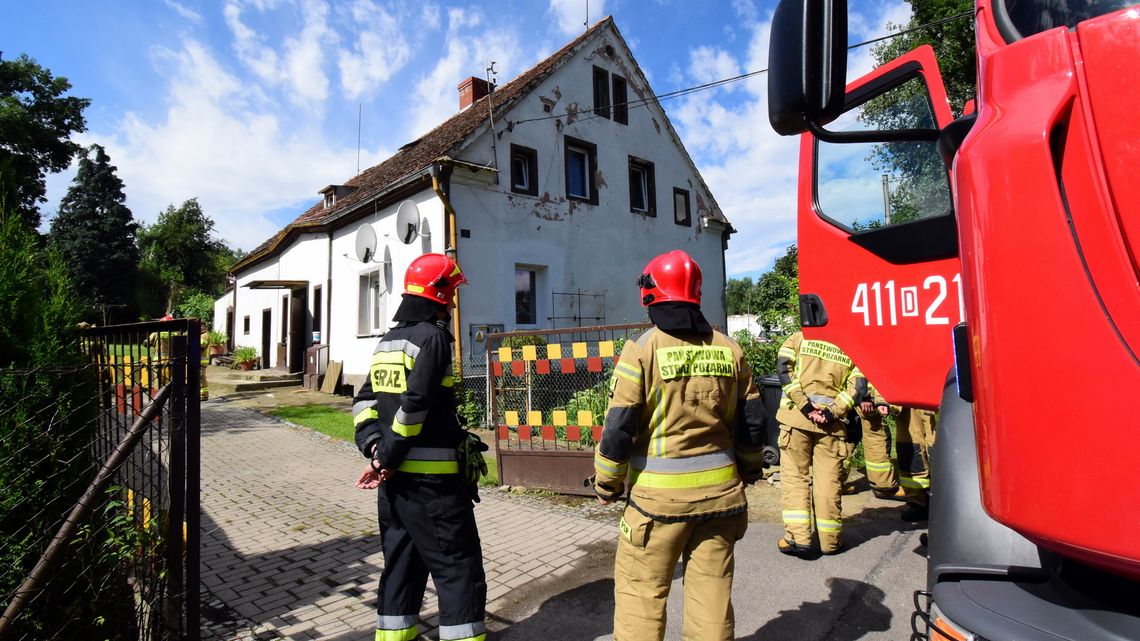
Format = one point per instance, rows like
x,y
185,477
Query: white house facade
x,y
552,213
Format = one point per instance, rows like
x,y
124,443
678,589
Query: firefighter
x,y
406,424
876,440
916,432
819,391
686,423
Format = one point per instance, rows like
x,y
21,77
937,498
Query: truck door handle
x,y
812,312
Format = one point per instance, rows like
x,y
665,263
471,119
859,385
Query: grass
x,y
337,424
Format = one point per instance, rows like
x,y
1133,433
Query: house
x,y
552,192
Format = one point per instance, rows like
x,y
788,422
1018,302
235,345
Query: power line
x,y
724,81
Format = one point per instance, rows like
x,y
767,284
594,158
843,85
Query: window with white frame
x,y
372,314
581,162
524,170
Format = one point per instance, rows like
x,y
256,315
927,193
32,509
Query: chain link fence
x,y
98,489
547,398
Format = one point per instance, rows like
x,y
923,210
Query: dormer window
x,y
332,192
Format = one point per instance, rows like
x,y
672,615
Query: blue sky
x,y
251,105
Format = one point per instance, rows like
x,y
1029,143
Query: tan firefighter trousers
x,y
646,558
916,435
877,454
821,456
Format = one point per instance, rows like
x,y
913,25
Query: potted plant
x,y
245,357
217,343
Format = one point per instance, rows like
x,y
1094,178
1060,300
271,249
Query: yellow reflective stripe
x,y
791,386
685,479
419,289
914,483
657,422
796,516
786,352
403,634
406,430
877,466
429,467
846,398
636,380
603,465
365,415
828,525
692,360
448,381
477,637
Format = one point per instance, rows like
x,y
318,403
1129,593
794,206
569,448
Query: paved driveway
x,y
290,550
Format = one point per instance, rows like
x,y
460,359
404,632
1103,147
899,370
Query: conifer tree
x,y
95,233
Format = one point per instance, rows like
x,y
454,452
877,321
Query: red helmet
x,y
673,276
434,277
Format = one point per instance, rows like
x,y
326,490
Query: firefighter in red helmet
x,y
686,423
406,424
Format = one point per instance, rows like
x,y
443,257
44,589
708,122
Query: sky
x,y
252,106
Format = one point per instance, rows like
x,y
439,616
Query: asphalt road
x,y
862,594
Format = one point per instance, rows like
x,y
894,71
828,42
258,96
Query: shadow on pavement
x,y
872,522
852,610
583,613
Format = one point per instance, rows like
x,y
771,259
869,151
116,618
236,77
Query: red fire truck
x,y
987,264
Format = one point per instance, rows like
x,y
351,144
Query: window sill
x,y
580,199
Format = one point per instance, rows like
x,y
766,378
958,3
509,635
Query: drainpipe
x,y
440,177
326,326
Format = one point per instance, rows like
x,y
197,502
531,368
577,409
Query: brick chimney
x,y
471,90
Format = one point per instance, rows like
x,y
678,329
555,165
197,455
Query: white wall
x,y
596,248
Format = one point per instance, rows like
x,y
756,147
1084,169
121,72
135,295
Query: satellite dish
x,y
365,243
382,274
407,222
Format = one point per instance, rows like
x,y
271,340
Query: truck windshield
x,y
1035,16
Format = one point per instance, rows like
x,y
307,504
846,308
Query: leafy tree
x,y
95,233
36,123
738,293
773,298
916,167
180,253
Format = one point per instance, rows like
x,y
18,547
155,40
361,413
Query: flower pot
x,y
246,365
217,350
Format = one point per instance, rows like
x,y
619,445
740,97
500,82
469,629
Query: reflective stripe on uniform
x,y
448,381
879,466
606,467
432,454
406,430
697,463
918,483
463,631
828,525
685,479
410,418
365,414
821,399
395,622
846,398
796,516
629,372
429,467
791,386
787,353
406,633
657,421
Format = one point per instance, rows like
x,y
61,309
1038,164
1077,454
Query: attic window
x,y
330,199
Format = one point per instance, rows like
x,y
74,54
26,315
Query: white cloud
x,y
182,10
240,155
570,15
299,63
380,50
467,52
708,64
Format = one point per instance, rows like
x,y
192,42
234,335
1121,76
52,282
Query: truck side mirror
x,y
807,64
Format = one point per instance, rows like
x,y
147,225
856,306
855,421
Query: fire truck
x,y
986,264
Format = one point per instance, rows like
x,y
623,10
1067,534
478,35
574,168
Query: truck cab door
x,y
878,246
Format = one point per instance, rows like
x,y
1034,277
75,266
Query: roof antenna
x,y
586,24
359,113
491,115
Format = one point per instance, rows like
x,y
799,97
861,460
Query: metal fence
x,y
548,391
99,489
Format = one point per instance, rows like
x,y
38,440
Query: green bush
x,y
47,421
244,353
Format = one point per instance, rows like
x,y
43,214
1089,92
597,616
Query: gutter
x,y
440,180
